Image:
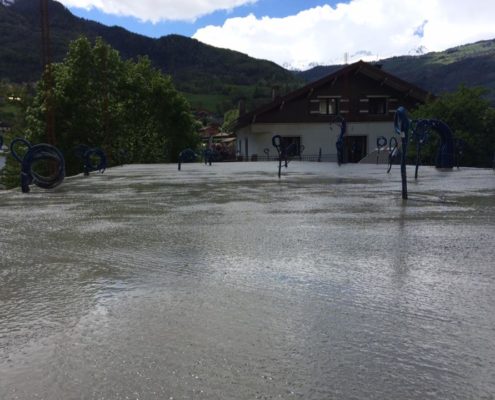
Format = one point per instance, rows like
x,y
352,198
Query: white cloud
x,y
158,10
378,28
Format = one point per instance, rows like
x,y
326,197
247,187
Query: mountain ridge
x,y
194,66
472,64
220,74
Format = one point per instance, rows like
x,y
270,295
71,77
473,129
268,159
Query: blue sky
x,y
272,8
299,34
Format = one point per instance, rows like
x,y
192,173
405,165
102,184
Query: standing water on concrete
x,y
224,282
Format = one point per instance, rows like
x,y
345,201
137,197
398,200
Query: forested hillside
x,y
438,72
205,72
214,78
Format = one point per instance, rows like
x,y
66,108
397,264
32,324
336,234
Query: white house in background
x,y
4,128
363,94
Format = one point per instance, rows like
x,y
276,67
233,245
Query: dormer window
x,y
329,106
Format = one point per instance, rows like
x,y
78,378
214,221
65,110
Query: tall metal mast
x,y
47,71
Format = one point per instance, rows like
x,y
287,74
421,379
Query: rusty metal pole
x,y
106,129
47,72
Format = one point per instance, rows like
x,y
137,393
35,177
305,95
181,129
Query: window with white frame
x,y
329,106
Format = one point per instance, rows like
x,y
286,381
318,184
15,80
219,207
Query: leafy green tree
x,y
14,99
102,101
470,117
229,119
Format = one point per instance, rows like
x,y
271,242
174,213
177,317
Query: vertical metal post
x,y
403,165
47,71
401,125
277,143
107,139
418,159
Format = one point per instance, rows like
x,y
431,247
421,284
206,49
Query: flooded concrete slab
x,y
225,282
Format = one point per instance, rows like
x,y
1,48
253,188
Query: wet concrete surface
x,y
225,282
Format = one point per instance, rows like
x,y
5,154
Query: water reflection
x,y
224,282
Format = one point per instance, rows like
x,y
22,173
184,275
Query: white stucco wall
x,y
313,136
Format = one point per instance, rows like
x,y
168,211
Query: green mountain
x,y
214,78
202,71
437,72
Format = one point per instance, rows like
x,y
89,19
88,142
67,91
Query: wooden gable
x,y
359,92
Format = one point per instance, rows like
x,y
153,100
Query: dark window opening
x,y
377,105
355,148
293,144
329,106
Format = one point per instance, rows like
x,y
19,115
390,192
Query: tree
x,y
470,118
229,119
102,101
14,99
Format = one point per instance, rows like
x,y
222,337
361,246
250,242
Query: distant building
x,y
362,93
209,131
4,127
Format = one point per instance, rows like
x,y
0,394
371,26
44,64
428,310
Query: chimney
x,y
242,106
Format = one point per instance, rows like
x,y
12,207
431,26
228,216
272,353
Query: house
x,y
212,129
361,93
4,127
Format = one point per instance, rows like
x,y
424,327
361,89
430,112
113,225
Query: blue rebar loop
x,y
284,152
340,140
450,150
420,133
94,159
211,155
445,157
42,152
186,156
393,152
381,142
